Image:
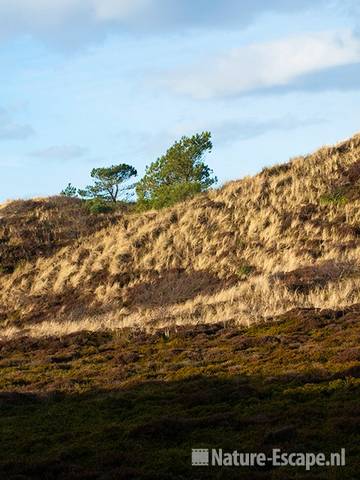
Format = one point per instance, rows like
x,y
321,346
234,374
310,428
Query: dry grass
x,y
39,227
286,238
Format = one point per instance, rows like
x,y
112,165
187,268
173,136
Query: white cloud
x,y
75,22
11,130
265,65
230,130
60,152
58,11
66,23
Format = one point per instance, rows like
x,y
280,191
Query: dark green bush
x,y
97,205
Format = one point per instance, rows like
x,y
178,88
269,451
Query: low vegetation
x,y
129,405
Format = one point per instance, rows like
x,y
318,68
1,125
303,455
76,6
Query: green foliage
x,y
245,270
108,181
98,205
179,174
335,198
69,191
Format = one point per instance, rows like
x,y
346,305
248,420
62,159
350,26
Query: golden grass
x,y
226,255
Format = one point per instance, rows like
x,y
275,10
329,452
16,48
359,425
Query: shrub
x,y
97,205
245,270
335,198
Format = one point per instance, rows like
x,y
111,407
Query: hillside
x,y
283,239
39,227
240,312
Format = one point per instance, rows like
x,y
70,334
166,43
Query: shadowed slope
x,y
131,405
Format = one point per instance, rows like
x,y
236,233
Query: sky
x,y
92,83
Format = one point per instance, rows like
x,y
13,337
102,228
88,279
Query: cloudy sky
x,y
88,83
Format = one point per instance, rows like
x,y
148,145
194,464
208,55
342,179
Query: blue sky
x,y
88,83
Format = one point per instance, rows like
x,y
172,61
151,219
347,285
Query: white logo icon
x,y
200,457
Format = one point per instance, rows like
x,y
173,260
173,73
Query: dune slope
x,y
286,238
